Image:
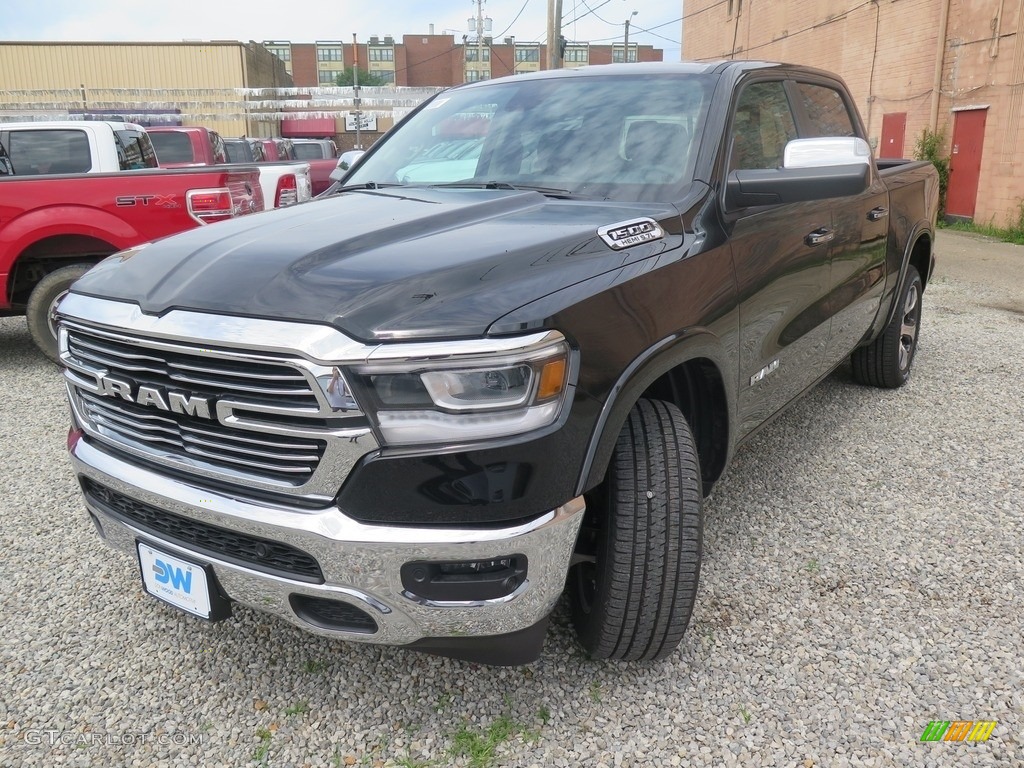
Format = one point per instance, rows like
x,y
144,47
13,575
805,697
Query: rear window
x,y
135,150
173,147
238,151
308,151
46,151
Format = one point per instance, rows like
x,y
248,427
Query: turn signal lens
x,y
552,380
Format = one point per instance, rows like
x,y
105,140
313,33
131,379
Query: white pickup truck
x,y
77,146
83,146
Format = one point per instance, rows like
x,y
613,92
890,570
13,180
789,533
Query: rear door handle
x,y
820,237
877,214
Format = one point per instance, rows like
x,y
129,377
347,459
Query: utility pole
x,y
355,89
479,37
554,34
625,47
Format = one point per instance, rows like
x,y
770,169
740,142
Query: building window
x,y
617,55
471,54
385,75
284,54
329,76
329,54
474,75
527,54
577,55
382,54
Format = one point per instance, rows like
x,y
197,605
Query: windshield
x,y
617,137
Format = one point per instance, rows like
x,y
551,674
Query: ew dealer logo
x,y
958,730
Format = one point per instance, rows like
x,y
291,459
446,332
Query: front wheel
x,y
886,361
40,312
632,600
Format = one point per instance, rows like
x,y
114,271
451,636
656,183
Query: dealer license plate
x,y
182,583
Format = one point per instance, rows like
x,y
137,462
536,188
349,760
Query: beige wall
x,y
199,78
887,52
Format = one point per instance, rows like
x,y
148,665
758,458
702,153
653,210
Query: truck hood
x,y
402,263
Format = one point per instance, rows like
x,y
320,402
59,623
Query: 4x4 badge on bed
x,y
632,232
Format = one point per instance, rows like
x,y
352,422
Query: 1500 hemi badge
x,y
632,232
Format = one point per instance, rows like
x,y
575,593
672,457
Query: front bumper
x,y
360,563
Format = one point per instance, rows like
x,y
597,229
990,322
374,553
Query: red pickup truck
x,y
181,146
284,181
54,228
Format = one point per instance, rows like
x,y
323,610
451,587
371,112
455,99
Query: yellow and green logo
x,y
958,730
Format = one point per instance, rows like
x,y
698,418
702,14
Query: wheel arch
x,y
687,370
50,253
918,254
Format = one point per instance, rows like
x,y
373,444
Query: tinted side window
x,y
762,126
35,152
827,111
135,150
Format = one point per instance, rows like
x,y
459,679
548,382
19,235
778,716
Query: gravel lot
x,y
862,577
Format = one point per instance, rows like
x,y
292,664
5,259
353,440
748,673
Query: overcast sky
x,y
310,20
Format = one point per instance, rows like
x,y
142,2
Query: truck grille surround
x,y
246,418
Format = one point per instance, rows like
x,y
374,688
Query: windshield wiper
x,y
367,185
561,194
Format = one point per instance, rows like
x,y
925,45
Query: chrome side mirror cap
x,y
826,151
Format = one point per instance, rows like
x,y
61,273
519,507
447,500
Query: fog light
x,y
464,580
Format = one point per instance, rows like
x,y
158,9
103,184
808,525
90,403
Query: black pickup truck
x,y
415,412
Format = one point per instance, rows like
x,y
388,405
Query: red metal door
x,y
965,162
894,128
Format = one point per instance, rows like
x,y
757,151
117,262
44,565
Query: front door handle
x,y
877,214
820,237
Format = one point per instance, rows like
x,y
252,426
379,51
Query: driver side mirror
x,y
813,169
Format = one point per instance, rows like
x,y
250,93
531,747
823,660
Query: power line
x,y
500,34
593,11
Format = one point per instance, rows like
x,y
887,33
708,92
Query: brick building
x,y
438,60
945,65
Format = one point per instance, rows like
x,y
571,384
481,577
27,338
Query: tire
x,y
886,361
634,601
43,300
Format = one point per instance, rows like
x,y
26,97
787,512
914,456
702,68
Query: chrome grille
x,y
273,439
281,384
285,458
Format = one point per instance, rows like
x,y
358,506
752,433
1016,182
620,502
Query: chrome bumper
x,y
361,563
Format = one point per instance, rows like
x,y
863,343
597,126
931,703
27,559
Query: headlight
x,y
453,397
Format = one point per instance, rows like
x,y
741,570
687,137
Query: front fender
x,y
662,357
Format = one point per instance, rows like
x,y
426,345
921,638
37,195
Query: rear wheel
x,y
633,598
886,361
42,303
